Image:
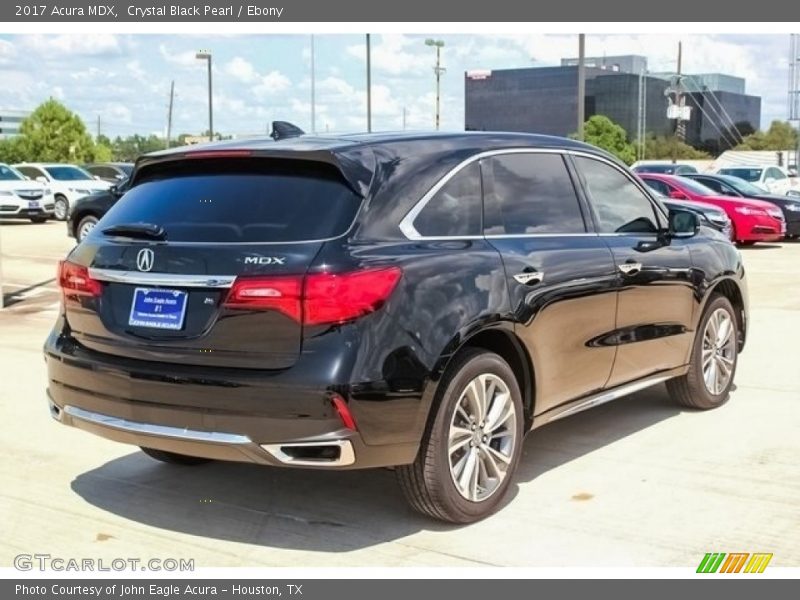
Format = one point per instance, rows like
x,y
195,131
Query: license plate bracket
x,y
157,308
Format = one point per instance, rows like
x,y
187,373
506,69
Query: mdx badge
x,y
265,260
145,259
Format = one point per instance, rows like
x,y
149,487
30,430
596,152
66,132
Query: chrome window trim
x,y
162,279
407,223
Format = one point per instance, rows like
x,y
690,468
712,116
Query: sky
x,y
125,79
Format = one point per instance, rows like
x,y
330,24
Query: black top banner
x,y
467,11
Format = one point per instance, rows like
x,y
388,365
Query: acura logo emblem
x,y
144,260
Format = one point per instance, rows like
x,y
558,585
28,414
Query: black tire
x,y
38,219
747,243
61,208
427,483
690,390
174,459
84,222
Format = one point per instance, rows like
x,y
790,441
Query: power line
x,y
722,108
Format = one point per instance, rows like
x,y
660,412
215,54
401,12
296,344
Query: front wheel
x,y
85,227
61,208
471,445
38,219
712,366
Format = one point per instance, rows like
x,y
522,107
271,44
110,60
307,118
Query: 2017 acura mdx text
x,y
419,301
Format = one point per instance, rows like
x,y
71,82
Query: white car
x,y
772,179
23,199
68,183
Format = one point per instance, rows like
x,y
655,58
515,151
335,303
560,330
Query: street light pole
x,y
369,83
206,55
581,84
438,70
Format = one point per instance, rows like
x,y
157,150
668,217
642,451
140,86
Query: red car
x,y
753,220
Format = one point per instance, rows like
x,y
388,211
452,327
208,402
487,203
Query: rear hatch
x,y
202,261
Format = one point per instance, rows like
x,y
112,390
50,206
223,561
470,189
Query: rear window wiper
x,y
149,231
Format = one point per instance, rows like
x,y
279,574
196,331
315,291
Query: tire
x,y
38,219
173,458
85,225
747,243
61,208
429,482
691,390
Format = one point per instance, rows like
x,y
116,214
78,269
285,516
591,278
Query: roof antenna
x,y
282,130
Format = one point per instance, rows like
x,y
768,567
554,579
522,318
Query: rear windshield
x,y
746,174
240,200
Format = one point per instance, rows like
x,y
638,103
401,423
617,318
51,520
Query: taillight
x,y
341,408
341,297
268,293
317,298
74,280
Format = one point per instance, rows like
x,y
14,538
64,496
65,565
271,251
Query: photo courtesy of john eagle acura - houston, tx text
x,y
417,301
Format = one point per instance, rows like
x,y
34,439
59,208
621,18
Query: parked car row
x,y
755,216
41,191
771,179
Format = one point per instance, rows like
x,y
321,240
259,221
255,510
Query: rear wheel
x,y
85,227
61,208
472,444
173,458
712,367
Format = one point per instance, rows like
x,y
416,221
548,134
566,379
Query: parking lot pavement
x,y
638,482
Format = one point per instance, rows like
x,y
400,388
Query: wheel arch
x,y
505,343
732,290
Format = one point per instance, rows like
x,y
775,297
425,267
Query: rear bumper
x,y
255,421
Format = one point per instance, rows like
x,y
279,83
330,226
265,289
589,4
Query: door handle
x,y
630,268
529,277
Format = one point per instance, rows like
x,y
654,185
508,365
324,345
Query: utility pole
x,y
581,83
794,91
405,111
438,70
313,90
169,111
676,106
369,83
98,127
206,55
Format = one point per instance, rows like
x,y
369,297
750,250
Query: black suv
x,y
411,300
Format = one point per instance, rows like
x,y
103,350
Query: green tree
x,y
12,150
102,153
669,147
53,133
130,148
602,132
780,136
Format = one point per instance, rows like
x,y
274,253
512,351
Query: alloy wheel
x,y
60,209
85,229
719,351
482,437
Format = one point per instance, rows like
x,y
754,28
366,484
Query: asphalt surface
x,y
638,482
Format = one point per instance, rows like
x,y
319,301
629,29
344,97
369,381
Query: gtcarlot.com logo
x,y
47,562
735,562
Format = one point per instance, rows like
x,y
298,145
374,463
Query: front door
x,y
654,274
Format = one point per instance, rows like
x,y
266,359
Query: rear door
x,y
654,274
561,277
237,232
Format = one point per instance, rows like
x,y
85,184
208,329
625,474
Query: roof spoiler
x,y
282,130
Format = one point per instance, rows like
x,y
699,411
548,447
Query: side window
x,y
775,174
530,193
31,172
715,185
455,210
659,186
620,206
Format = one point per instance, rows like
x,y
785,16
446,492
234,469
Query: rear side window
x,y
530,193
619,205
240,200
455,210
657,185
713,184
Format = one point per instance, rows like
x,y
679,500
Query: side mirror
x,y
41,179
98,178
677,195
683,223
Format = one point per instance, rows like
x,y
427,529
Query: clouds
x,y
258,78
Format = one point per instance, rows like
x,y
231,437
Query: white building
x,y
10,121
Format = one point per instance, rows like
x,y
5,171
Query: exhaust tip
x,y
336,453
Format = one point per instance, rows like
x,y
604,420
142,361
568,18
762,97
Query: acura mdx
x,y
416,301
